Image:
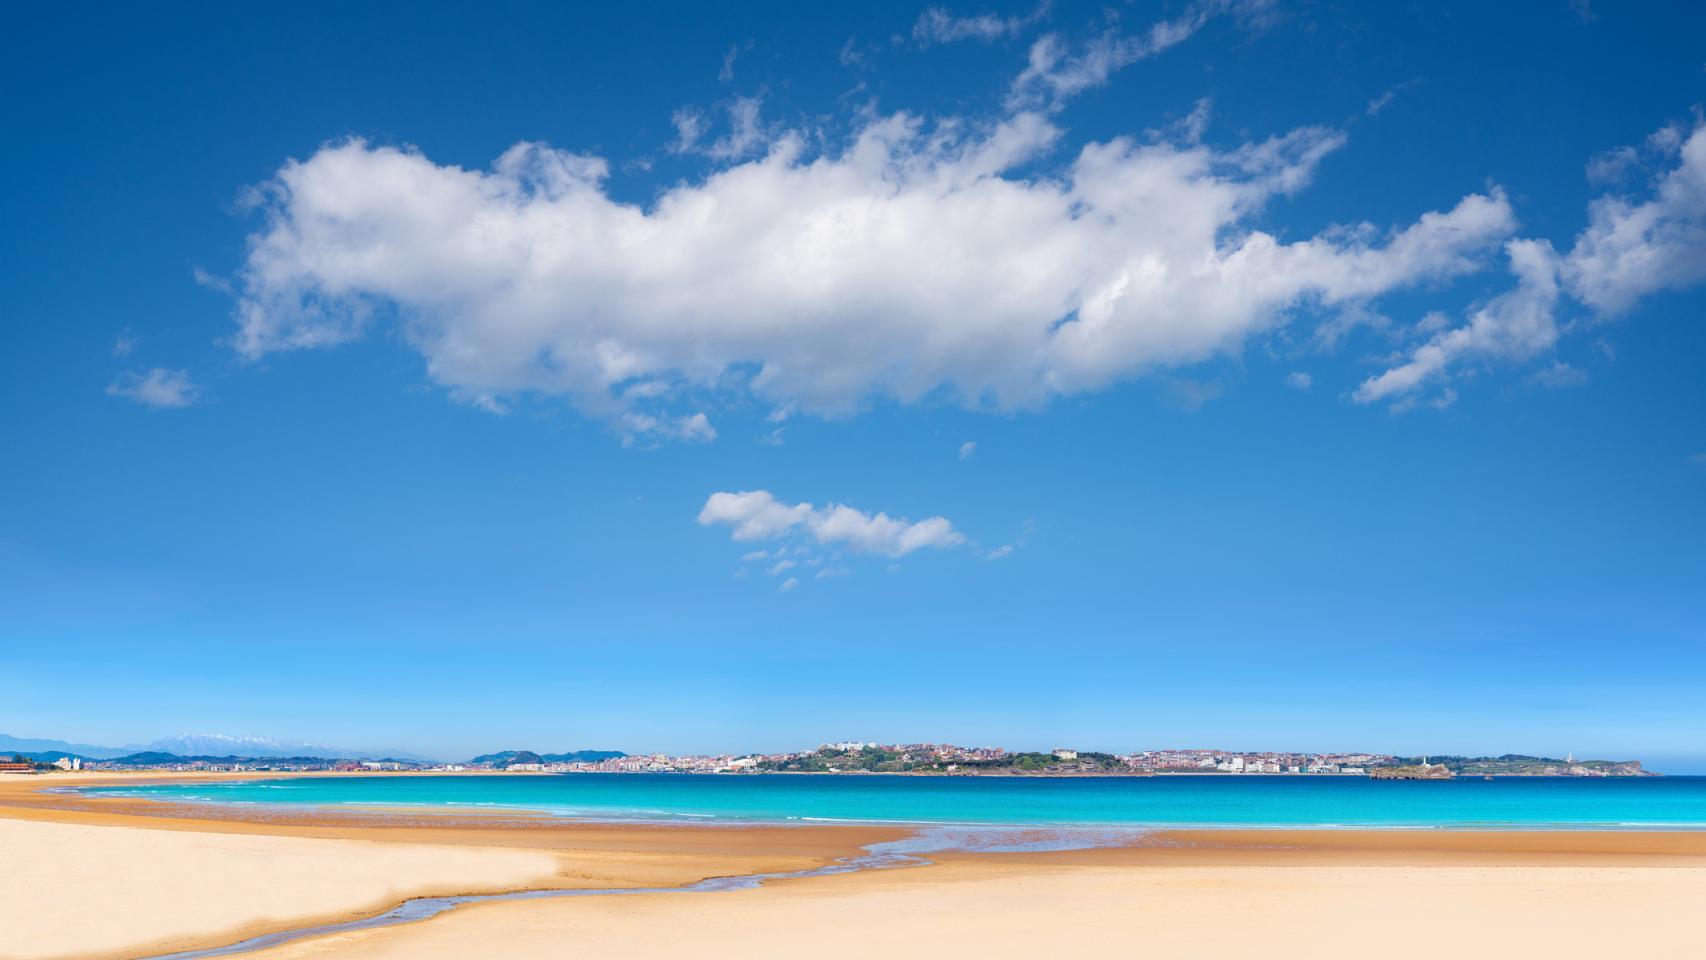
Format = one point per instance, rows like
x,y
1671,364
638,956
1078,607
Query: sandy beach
x,y
116,878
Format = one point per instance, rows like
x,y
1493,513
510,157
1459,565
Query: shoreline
x,y
73,796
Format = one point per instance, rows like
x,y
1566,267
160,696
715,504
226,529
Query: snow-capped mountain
x,y
220,745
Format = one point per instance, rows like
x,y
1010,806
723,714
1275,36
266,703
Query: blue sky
x,y
1249,375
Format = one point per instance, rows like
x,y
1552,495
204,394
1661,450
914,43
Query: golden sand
x,y
111,878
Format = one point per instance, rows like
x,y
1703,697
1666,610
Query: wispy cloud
x,y
939,25
1056,72
693,427
727,73
1559,374
1630,249
745,135
159,388
1381,102
1183,393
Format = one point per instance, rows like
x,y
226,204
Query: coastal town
x,y
867,757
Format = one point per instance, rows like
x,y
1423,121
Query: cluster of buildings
x,y
921,754
1148,761
1227,761
739,763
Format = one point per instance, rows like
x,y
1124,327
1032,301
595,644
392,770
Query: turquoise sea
x,y
1202,801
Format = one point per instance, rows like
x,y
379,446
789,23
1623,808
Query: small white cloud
x,y
159,388
727,73
828,572
125,344
1298,380
755,556
1610,166
1380,103
1630,250
1183,393
689,127
691,428
1433,322
480,400
1004,550
781,566
967,449
1559,374
788,584
754,514
211,282
757,515
938,25
746,135
645,390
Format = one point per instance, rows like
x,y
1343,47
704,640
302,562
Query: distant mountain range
x,y
29,745
218,747
218,744
201,745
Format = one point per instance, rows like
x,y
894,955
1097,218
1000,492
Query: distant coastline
x,y
860,757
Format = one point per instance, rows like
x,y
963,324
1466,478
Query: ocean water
x,y
1086,802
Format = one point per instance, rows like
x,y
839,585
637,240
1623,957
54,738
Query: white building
x,y
1062,753
68,763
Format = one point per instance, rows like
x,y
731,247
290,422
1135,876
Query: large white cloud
x,y
913,260
757,515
